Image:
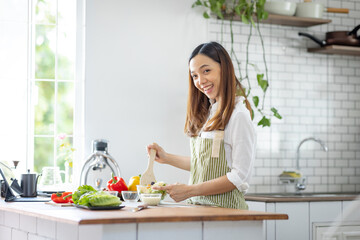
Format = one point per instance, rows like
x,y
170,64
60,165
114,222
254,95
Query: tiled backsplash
x,y
318,96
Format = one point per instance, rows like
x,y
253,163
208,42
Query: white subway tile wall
x,y
318,95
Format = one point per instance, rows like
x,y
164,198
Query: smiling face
x,y
206,73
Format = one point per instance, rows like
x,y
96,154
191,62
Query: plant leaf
x,y
197,3
276,114
264,122
256,68
256,100
265,15
206,15
220,15
262,83
237,10
261,2
244,19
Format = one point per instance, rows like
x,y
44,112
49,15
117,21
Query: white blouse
x,y
240,144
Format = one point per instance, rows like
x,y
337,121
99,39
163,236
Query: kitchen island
x,y
169,221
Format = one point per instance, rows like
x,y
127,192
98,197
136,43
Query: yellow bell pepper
x,y
133,182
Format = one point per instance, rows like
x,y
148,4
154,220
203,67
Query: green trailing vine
x,y
250,12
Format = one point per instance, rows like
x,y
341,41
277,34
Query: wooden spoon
x,y
148,176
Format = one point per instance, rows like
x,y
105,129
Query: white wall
x,y
14,81
136,78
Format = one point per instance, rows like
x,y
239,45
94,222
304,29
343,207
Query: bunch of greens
x,y
88,196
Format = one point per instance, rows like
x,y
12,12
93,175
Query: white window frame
x,y
78,124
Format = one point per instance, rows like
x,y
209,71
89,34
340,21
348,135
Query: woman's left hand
x,y
177,191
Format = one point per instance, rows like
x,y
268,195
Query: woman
x,y
222,135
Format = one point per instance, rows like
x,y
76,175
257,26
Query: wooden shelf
x,y
337,49
288,20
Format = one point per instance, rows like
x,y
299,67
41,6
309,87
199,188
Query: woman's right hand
x,y
161,155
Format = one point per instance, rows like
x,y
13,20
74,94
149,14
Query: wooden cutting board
x,y
59,204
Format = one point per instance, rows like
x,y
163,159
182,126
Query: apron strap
x,y
219,135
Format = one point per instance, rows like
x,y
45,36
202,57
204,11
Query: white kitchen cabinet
x,y
323,212
297,227
306,219
343,232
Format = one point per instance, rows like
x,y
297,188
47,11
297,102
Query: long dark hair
x,y
198,103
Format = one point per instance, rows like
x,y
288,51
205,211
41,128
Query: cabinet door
x,y
351,211
297,227
324,212
351,232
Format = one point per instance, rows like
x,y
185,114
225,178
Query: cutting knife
x,y
140,207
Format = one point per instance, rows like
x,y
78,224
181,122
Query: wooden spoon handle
x,y
337,10
152,158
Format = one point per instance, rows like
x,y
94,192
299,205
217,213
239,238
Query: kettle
x,y
28,184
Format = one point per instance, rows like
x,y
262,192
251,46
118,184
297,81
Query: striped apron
x,y
208,162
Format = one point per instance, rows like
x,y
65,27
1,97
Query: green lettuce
x,y
86,195
81,191
101,199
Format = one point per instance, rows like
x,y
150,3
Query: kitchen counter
x,y
303,197
167,213
181,219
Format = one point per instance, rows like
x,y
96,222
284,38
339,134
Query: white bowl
x,y
309,10
281,8
151,199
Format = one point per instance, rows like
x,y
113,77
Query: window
x,y
52,83
41,83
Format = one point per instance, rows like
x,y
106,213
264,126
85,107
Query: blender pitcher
x,y
50,178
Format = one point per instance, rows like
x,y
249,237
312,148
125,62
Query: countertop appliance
x,y
99,166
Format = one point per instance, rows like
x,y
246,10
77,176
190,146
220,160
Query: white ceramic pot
x,y
281,8
309,10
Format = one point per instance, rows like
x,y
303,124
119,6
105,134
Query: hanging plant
x,y
250,12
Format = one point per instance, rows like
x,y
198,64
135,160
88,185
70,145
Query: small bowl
x,y
130,196
151,199
115,193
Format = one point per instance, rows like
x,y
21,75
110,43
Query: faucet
x,y
301,185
